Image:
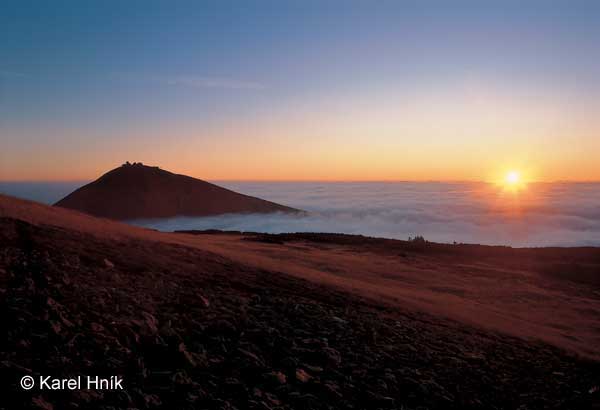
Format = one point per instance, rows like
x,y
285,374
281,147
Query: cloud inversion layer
x,y
543,215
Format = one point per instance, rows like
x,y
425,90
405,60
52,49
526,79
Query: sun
x,y
512,178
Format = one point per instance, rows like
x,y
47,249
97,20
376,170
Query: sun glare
x,y
513,178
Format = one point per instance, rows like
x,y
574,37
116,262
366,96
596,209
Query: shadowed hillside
x,y
136,191
187,328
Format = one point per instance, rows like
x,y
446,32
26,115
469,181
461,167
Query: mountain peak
x,y
138,191
136,165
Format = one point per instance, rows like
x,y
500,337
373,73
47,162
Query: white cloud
x,y
565,214
556,214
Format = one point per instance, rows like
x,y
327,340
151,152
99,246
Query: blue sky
x,y
91,79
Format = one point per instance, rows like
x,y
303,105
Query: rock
x,y
64,320
65,280
87,396
332,389
189,358
40,403
387,402
302,376
333,356
97,327
380,401
51,303
224,327
313,369
55,326
204,301
152,400
276,378
303,400
151,322
251,357
181,378
272,399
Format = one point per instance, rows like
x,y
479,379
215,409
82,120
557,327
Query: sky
x,y
301,90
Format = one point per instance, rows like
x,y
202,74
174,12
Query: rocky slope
x,y
187,329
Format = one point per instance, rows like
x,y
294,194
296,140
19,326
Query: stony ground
x,y
188,329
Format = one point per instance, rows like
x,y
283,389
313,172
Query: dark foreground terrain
x,y
189,329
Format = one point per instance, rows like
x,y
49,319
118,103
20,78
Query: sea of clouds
x,y
562,214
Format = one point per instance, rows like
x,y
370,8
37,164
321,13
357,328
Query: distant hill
x,y
135,191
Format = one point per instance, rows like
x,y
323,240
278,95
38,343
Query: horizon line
x,y
580,181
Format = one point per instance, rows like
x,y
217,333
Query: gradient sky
x,y
322,90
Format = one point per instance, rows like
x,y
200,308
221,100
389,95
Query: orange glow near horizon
x,y
238,166
325,173
431,139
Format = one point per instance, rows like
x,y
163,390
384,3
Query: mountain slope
x,y
187,328
136,191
